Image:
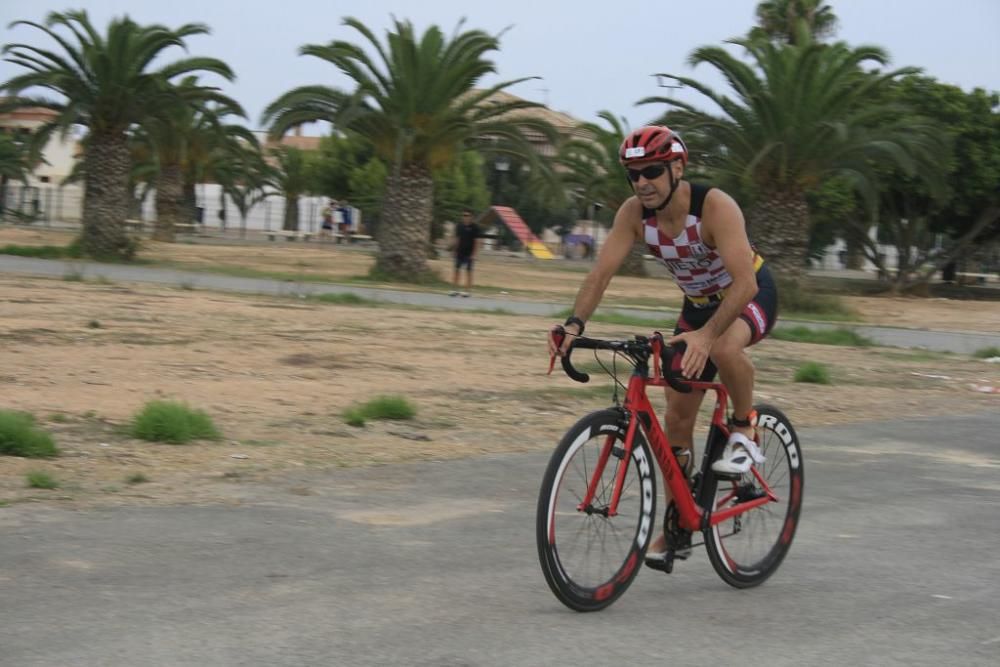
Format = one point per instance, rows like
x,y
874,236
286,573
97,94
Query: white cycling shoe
x,y
739,455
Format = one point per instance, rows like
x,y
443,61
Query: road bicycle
x,y
597,505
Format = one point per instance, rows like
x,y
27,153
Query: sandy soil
x,y
277,374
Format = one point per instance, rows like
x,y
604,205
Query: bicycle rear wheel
x,y
589,558
747,549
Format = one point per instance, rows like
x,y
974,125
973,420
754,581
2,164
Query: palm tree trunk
x,y
291,213
778,226
855,252
170,206
634,264
189,211
404,231
105,198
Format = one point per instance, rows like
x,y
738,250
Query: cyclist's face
x,y
650,189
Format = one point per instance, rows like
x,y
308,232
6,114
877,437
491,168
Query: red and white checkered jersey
x,y
697,268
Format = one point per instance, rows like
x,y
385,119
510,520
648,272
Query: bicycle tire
x,y
577,581
730,545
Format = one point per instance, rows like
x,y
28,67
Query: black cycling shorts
x,y
761,314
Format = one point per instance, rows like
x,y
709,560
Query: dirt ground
x,y
276,374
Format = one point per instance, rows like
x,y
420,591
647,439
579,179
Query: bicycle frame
x,y
691,516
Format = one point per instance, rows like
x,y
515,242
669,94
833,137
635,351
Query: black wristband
x,y
573,319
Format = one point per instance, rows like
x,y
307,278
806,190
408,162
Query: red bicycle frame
x,y
690,515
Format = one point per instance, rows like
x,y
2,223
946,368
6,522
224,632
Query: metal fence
x,y
49,205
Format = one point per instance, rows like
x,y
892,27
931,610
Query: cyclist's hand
x,y
699,344
560,338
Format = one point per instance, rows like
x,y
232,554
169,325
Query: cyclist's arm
x,y
616,248
725,229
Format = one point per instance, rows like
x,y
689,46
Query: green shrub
x,y
354,417
38,479
802,334
813,372
176,423
20,437
380,407
987,353
136,478
41,251
389,407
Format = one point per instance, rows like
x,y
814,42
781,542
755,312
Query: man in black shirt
x,y
467,236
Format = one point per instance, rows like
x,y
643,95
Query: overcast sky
x,y
591,54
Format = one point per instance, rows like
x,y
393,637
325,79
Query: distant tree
x,y
289,177
106,83
803,113
418,106
789,20
459,185
244,177
183,139
15,165
955,195
592,169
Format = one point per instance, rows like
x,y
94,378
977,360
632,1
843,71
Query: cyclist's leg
x,y
737,373
736,370
680,418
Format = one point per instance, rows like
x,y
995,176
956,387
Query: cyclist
x,y
730,300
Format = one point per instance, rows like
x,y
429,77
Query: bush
x,y
354,417
380,407
20,437
41,251
38,479
813,372
987,353
176,423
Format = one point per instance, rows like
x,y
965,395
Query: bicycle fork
x,y
624,454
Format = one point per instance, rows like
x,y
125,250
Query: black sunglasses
x,y
649,173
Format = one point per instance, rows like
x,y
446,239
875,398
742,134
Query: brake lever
x,y
558,334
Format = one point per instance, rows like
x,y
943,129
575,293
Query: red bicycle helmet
x,y
653,142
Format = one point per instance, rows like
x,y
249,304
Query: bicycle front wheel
x,y
748,548
589,557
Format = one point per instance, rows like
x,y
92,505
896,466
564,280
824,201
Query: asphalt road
x,y
434,564
942,341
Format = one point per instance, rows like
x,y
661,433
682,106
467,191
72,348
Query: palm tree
x,y
107,84
142,171
785,20
244,177
182,138
593,170
803,112
288,175
15,165
419,108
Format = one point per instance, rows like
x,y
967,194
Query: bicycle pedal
x,y
727,476
665,564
